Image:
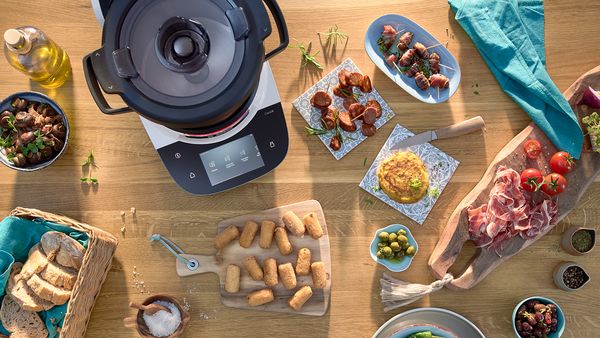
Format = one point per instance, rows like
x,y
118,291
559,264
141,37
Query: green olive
x,y
393,237
387,251
402,239
405,245
411,251
395,246
401,232
384,236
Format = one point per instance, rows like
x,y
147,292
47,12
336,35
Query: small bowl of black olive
x,y
34,131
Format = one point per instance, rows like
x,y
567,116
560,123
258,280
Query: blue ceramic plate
x,y
395,265
422,36
560,315
6,104
436,331
452,322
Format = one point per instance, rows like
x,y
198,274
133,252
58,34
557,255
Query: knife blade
x,y
458,129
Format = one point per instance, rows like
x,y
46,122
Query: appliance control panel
x,y
205,169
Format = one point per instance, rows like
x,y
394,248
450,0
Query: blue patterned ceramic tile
x,y
313,115
440,167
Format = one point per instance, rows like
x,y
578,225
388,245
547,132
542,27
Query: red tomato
x,y
554,184
562,163
531,179
533,148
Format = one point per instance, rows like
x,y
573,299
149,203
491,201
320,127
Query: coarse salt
x,y
163,323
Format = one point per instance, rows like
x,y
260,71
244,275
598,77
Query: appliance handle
x,y
96,91
284,38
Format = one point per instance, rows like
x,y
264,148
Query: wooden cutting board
x,y
234,254
456,232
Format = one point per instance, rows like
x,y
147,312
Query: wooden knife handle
x,y
462,128
206,264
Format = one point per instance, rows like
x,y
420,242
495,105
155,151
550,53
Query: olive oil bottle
x,y
33,53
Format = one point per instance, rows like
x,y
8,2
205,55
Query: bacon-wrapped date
x,y
389,35
422,81
421,50
405,41
407,58
413,70
439,81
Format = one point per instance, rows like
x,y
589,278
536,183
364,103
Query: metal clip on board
x,y
192,264
186,264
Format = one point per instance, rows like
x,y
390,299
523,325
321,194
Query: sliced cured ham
x,y
509,212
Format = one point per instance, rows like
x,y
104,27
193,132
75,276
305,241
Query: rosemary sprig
x,y
307,58
316,131
334,35
350,92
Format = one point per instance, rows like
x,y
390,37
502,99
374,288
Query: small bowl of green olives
x,y
394,247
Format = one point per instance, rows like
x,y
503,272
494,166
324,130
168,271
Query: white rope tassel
x,y
396,293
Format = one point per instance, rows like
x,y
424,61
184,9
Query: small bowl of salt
x,y
160,316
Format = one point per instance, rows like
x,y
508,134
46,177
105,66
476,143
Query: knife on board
x,y
458,129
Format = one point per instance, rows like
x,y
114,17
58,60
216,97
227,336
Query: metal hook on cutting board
x,y
191,264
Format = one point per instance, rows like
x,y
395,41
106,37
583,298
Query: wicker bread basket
x,y
96,264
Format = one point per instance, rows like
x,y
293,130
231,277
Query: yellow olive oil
x,y
33,53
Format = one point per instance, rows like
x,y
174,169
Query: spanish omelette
x,y
403,177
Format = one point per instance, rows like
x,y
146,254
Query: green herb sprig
x,y
593,126
90,162
307,58
434,192
334,35
36,146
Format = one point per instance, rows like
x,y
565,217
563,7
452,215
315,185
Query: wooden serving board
x,y
456,232
234,254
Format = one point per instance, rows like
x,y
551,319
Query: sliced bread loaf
x,y
56,274
17,287
47,291
20,322
63,249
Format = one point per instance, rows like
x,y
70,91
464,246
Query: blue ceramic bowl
x,y
394,265
560,315
6,104
422,36
436,331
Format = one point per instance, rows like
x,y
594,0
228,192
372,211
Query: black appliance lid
x,y
182,52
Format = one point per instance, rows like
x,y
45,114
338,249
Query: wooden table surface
x,y
132,175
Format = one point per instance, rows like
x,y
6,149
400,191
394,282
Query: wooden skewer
x,y
397,68
150,309
439,44
356,118
442,65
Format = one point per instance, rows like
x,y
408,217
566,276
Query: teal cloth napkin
x,y
17,236
509,34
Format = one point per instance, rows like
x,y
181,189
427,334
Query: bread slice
x,y
56,274
63,249
17,287
47,291
36,262
60,276
20,322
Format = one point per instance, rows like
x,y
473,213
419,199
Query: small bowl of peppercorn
x,y
538,317
34,131
570,277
